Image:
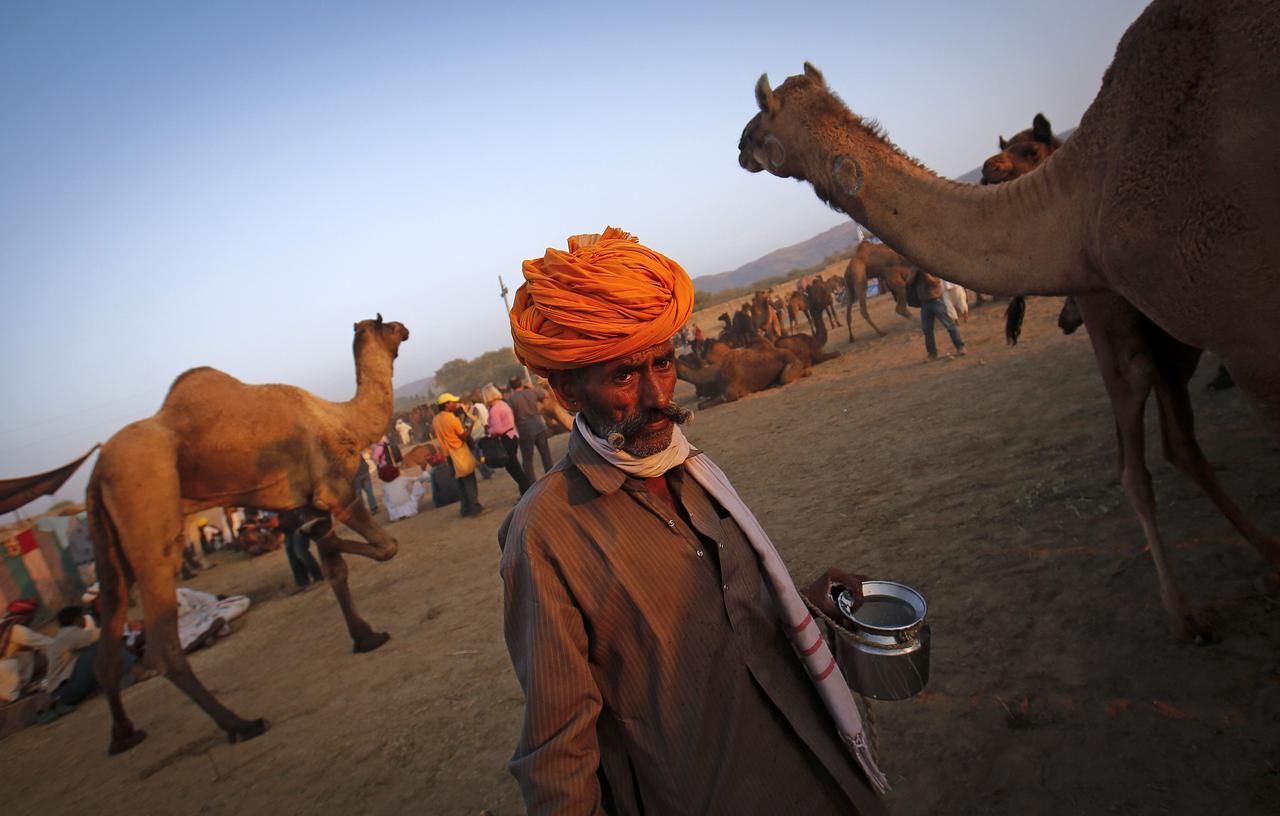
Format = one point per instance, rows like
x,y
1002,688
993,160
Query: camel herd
x,y
1159,214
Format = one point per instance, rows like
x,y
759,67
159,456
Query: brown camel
x,y
217,441
1135,356
872,260
821,306
740,372
763,317
1160,227
806,348
797,303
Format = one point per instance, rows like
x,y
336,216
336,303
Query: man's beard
x,y
628,435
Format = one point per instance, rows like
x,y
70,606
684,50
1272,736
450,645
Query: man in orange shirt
x,y
452,435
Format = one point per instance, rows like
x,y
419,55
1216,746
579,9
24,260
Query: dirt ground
x,y
986,482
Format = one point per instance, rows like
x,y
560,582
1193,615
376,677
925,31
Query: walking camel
x,y
1166,194
875,261
1134,357
217,441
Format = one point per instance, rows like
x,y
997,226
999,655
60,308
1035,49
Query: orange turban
x,y
607,297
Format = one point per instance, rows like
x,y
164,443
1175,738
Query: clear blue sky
x,y
234,184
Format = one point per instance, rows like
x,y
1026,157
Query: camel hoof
x,y
248,731
369,642
121,744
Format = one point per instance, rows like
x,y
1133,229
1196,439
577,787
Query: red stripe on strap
x,y
808,619
827,671
814,647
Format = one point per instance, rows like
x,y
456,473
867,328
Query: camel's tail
x,y
1013,317
107,553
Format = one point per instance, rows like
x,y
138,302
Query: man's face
x,y
630,396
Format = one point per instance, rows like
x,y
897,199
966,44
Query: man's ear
x,y
564,384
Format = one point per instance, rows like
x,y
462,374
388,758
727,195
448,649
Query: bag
x,y
913,294
444,485
493,451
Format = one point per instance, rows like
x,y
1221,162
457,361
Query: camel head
x,y
388,335
1021,154
775,136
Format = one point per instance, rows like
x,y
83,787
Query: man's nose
x,y
652,394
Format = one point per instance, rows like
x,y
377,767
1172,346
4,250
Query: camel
x,y
1134,357
821,306
763,317
1166,193
740,372
806,348
217,441
797,303
875,261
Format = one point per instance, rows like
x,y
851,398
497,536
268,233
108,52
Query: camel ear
x,y
1003,144
814,74
379,321
1041,129
764,96
355,327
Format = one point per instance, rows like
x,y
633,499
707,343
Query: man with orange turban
x,y
668,662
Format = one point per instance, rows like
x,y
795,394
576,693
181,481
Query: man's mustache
x,y
628,428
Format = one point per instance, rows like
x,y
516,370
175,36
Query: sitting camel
x,y
1134,357
869,261
217,441
740,372
807,348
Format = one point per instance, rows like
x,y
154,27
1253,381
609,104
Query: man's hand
x,y
822,592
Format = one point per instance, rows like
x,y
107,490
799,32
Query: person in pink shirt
x,y
502,424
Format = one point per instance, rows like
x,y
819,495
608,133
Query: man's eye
x,y
662,364
622,377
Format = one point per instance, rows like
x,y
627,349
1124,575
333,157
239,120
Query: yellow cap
x,y
446,397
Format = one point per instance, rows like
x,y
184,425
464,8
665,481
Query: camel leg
x,y
848,313
378,545
1177,363
363,638
113,603
1125,362
164,652
866,314
835,316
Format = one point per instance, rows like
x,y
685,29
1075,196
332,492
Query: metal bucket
x,y
891,640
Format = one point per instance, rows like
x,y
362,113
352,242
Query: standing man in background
x,y
530,426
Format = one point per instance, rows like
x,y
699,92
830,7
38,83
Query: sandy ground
x,y
985,482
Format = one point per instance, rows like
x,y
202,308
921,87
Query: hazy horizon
x,y
235,185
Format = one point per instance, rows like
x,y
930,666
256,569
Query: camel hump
x,y
203,376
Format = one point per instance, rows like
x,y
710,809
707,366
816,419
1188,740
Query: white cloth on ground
x,y
199,611
401,496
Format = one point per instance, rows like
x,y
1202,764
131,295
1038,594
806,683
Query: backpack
x,y
913,294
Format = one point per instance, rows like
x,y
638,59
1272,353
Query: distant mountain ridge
x,y
416,388
781,261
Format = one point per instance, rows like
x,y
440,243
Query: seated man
x,y
668,662
22,650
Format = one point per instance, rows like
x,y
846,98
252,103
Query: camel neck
x,y
1008,239
374,398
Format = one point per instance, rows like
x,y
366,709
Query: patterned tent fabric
x,y
14,493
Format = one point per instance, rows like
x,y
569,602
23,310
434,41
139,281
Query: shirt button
x,y
725,587
722,545
699,553
671,522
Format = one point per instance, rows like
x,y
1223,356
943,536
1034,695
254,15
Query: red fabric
x,y
27,541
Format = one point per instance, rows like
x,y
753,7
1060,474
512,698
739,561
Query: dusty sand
x,y
987,483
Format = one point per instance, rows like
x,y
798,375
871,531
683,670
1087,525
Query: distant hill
x,y
781,261
417,387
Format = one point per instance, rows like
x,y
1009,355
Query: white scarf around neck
x,y
806,637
